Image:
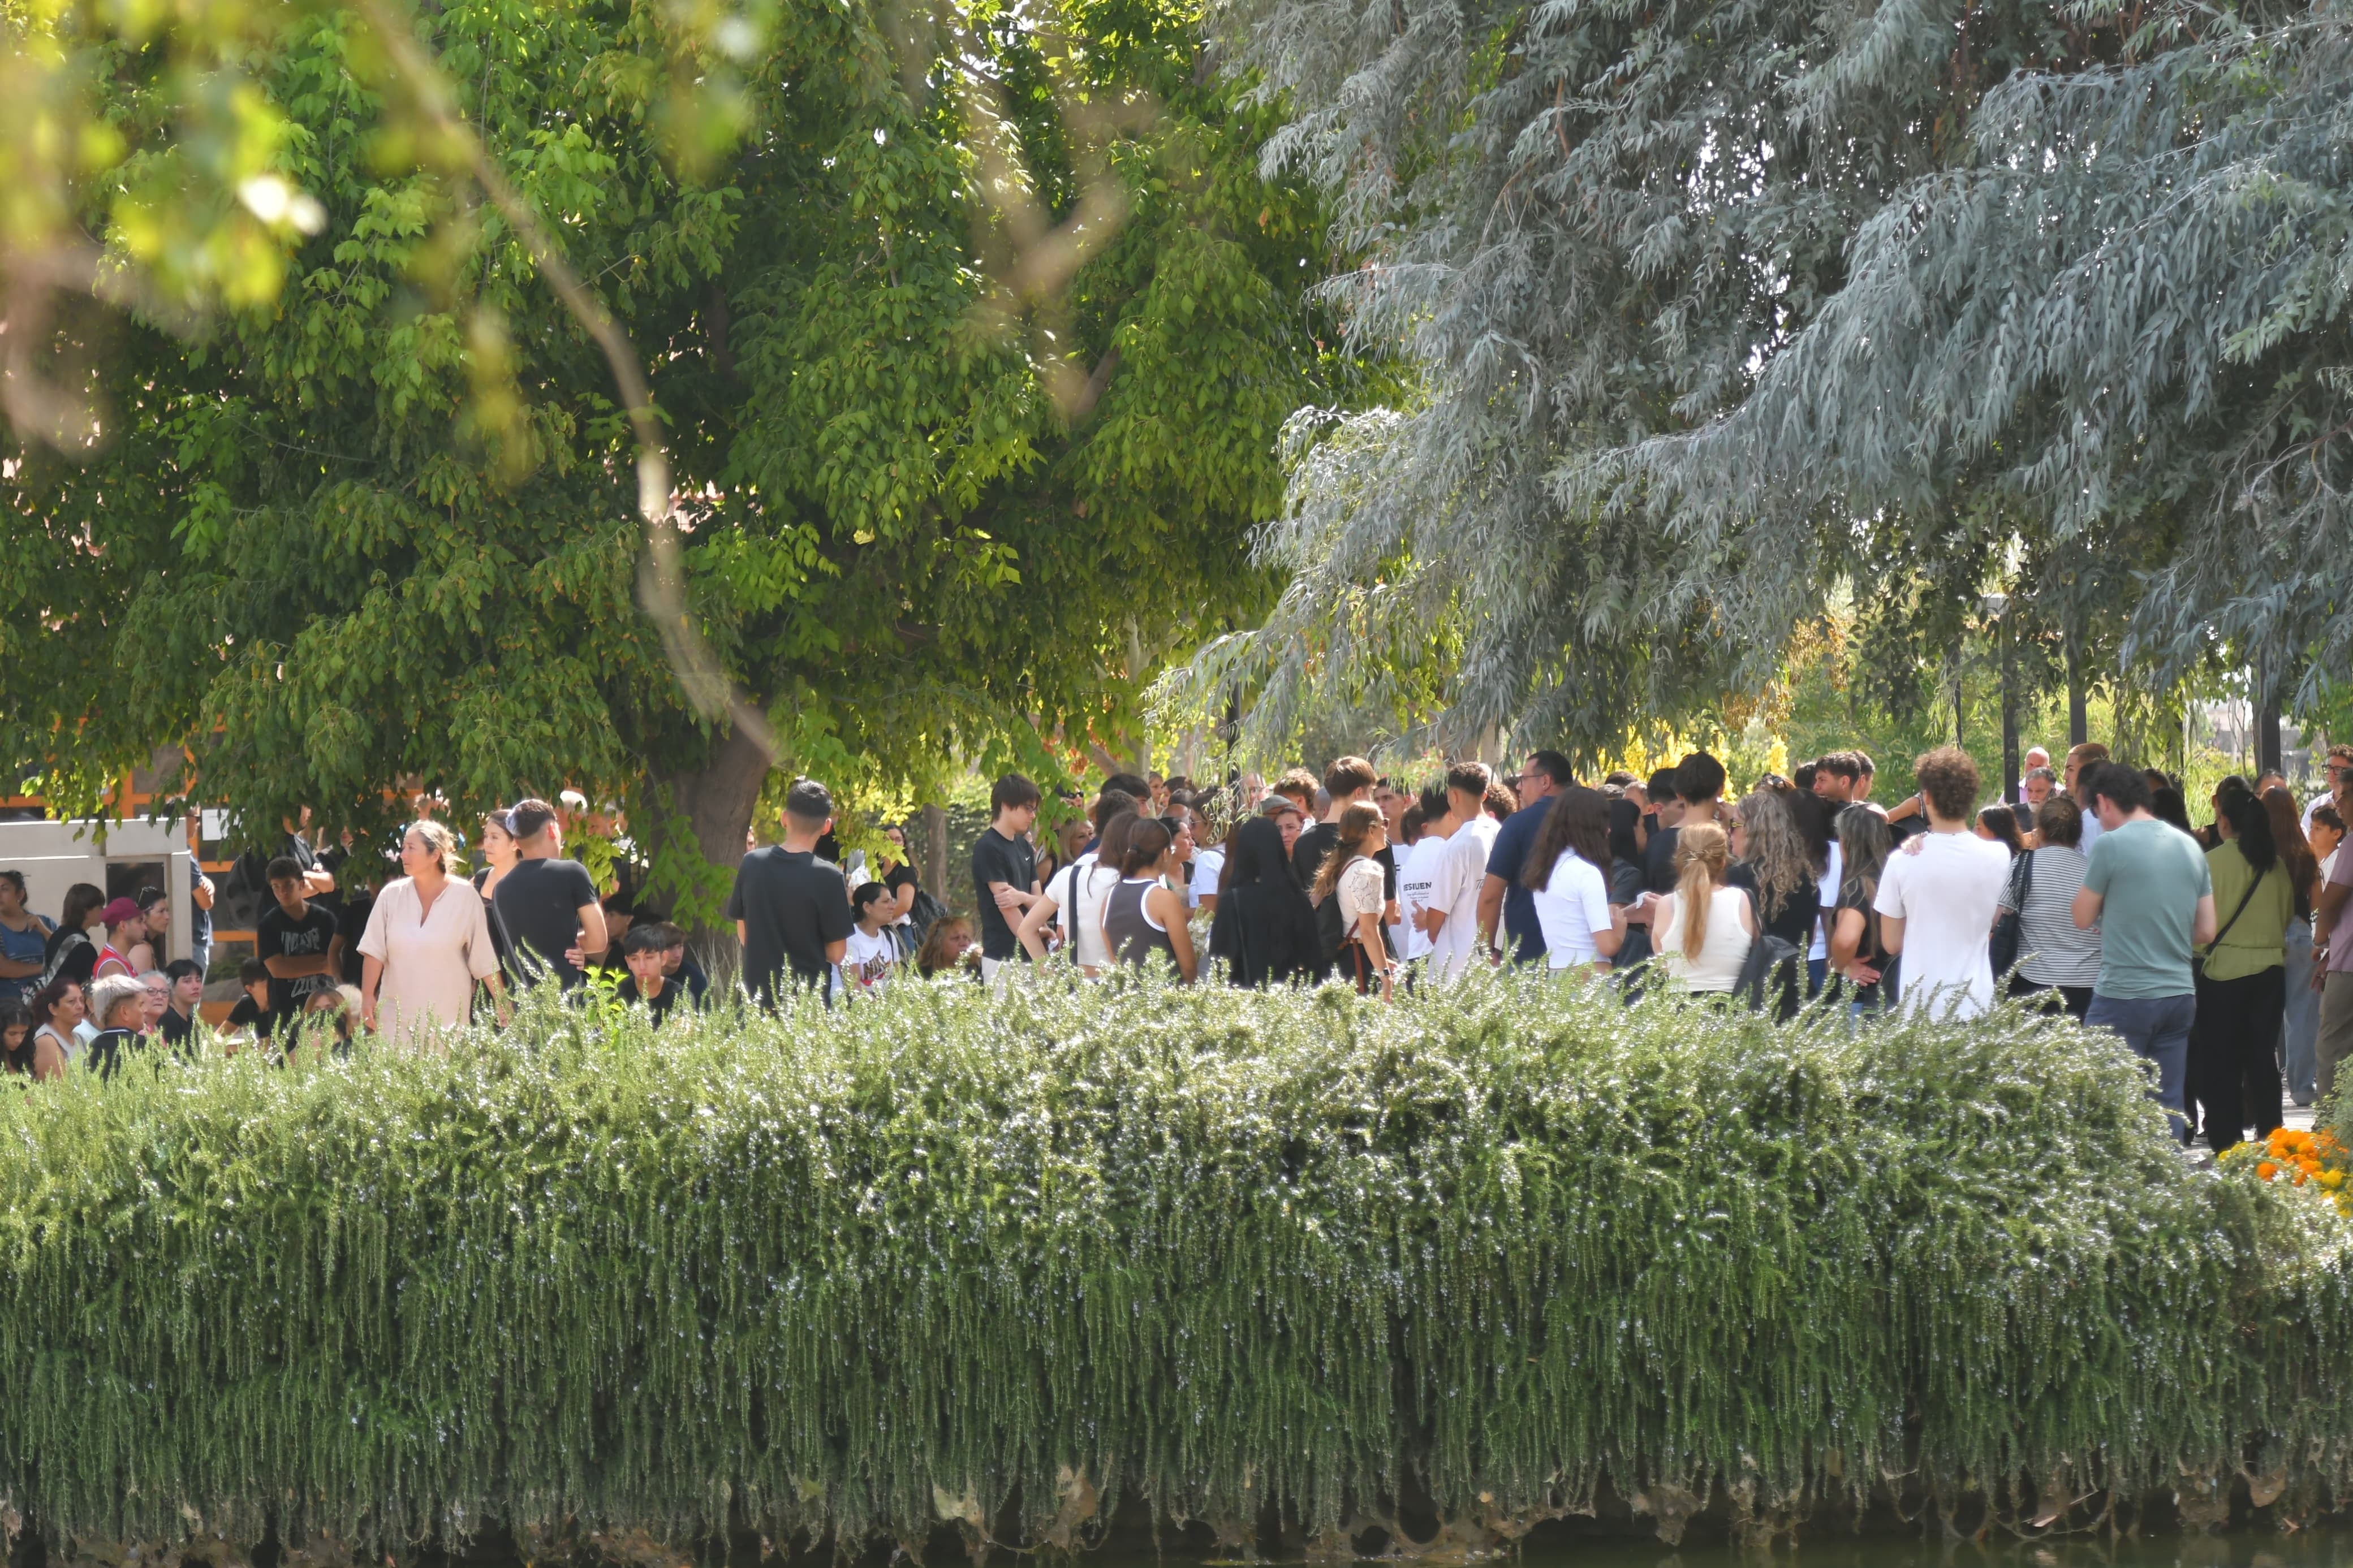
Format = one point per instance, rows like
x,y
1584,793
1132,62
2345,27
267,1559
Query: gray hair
x,y
107,994
2048,776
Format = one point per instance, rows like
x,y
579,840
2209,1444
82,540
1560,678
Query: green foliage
x,y
875,1270
378,527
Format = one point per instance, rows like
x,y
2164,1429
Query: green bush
x,y
1246,1255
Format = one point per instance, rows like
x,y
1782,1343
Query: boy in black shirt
x,y
298,941
548,905
1004,870
642,950
252,1011
791,909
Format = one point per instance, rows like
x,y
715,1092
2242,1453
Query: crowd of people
x,y
2223,954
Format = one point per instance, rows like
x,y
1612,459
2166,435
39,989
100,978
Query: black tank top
x,y
1131,937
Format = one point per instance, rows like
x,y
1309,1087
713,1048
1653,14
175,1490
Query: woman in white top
x,y
1073,901
1568,871
428,942
1703,928
869,955
60,1014
1352,875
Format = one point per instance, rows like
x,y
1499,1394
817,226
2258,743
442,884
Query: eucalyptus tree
x,y
1589,224
966,334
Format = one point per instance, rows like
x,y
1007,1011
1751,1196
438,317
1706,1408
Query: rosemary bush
x,y
1251,1257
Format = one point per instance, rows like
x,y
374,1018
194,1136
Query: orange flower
x,y
2266,1170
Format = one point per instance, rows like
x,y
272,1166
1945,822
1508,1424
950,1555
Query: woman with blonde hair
x,y
1352,874
1704,927
428,942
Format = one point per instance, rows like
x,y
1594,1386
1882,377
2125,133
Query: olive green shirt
x,y
2258,940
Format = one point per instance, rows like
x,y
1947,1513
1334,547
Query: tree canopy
x,y
969,332
1719,308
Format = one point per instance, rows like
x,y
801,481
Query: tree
x,y
1596,229
969,332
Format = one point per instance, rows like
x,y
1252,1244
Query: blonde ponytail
x,y
1700,853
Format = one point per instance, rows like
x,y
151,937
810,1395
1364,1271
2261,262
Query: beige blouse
x,y
432,958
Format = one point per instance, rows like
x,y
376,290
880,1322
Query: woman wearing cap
x,y
428,943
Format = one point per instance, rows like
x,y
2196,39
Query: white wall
x,y
53,855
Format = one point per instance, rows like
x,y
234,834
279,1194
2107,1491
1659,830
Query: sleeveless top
x,y
1724,954
1129,929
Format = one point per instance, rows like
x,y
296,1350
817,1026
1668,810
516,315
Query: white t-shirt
x,y
1455,890
877,950
1571,905
1416,877
1208,866
1829,891
1945,895
1079,891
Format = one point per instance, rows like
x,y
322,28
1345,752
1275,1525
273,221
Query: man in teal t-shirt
x,y
2150,893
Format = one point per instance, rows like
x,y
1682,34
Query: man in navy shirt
x,y
1547,774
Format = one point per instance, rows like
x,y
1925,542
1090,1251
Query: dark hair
x,y
1840,764
1802,775
1579,820
648,938
1862,762
2002,823
1109,803
1698,777
283,868
1147,841
180,968
1815,817
1009,793
1471,778
1254,854
809,801
2059,821
82,900
1434,802
2119,785
1948,782
2326,816
1346,776
1111,846
529,817
2252,824
150,896
674,935
1297,782
16,880
1553,766
2168,806
861,896
1661,787
1501,800
1354,823
1412,823
2295,848
14,1014
44,1001
252,971
1129,785
1624,819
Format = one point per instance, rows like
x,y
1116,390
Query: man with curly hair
x,y
1936,897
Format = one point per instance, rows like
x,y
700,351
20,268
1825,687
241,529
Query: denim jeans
x,y
2158,1030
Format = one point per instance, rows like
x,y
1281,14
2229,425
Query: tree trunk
x,y
935,852
2079,724
716,801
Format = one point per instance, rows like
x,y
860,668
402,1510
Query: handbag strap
x,y
2244,900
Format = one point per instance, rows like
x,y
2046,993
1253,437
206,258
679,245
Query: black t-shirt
x,y
672,994
1793,921
689,974
1658,860
106,1052
996,858
247,1014
792,905
900,876
280,935
1851,896
177,1031
80,955
539,902
1316,842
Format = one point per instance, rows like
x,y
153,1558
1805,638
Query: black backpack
x,y
924,913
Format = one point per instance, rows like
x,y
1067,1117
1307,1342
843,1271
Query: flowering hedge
x,y
1263,1261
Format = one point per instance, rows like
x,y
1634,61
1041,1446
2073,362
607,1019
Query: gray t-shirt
x,y
2149,877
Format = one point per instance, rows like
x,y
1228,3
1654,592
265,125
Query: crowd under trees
x,y
1433,370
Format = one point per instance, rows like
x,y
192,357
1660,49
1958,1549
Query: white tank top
x,y
1717,967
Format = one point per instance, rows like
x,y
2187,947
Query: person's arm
x,y
902,901
1491,908
316,880
835,948
2204,923
201,895
1033,923
1368,937
2086,909
591,916
12,969
371,976
47,1060
282,967
1171,914
1748,916
1846,948
1607,942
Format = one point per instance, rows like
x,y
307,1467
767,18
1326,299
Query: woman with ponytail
x,y
1705,928
1142,916
2242,979
1352,874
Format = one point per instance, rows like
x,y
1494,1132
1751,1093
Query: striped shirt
x,y
2051,951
